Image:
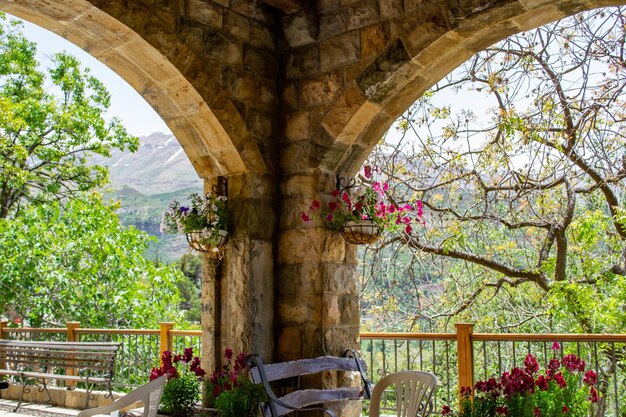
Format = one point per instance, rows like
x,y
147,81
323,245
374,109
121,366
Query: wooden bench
x,y
283,383
89,363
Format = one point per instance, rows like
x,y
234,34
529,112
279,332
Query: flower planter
x,y
361,233
204,241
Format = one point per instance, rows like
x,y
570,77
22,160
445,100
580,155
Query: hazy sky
x,y
138,117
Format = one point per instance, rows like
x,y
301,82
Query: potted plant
x,y
362,218
182,389
204,221
230,391
563,389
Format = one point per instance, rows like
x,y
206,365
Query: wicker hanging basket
x,y
361,232
204,241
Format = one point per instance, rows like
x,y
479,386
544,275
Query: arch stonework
x,y
278,97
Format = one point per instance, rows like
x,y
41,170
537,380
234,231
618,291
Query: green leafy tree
x,y
78,262
50,122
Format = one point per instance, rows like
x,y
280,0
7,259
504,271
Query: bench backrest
x,y
297,397
88,359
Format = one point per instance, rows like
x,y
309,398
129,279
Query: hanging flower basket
x,y
361,232
206,240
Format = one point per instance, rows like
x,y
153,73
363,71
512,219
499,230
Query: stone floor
x,y
36,410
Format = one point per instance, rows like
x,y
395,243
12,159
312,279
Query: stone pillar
x,y
238,293
317,295
210,314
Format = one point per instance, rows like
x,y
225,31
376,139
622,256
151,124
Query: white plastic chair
x,y
149,395
414,390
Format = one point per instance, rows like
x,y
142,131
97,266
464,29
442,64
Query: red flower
x,y
502,411
565,409
590,378
305,217
573,363
530,364
593,395
542,383
537,412
555,346
335,193
315,204
367,171
558,378
332,205
466,392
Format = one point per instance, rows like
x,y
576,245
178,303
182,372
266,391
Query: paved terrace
x,y
34,410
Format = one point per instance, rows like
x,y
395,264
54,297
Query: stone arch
x,y
414,61
203,138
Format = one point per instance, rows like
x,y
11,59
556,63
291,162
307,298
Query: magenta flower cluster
x,y
371,204
228,376
170,365
521,392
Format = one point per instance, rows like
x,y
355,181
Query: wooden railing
x,y
458,359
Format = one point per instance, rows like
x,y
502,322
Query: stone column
x,y
210,315
317,295
238,289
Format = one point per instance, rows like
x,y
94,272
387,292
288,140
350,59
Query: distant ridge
x,y
159,166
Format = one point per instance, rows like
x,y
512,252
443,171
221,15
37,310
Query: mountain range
x,y
145,182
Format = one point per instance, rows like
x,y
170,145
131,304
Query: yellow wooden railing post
x,y
166,338
465,354
71,336
3,324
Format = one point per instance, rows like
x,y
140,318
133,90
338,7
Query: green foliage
x,y
230,390
180,396
49,123
242,401
79,263
182,389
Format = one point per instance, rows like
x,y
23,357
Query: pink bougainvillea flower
x,y
367,171
408,229
555,346
593,395
419,206
445,410
305,217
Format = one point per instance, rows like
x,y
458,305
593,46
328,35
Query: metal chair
x,y
149,395
413,390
